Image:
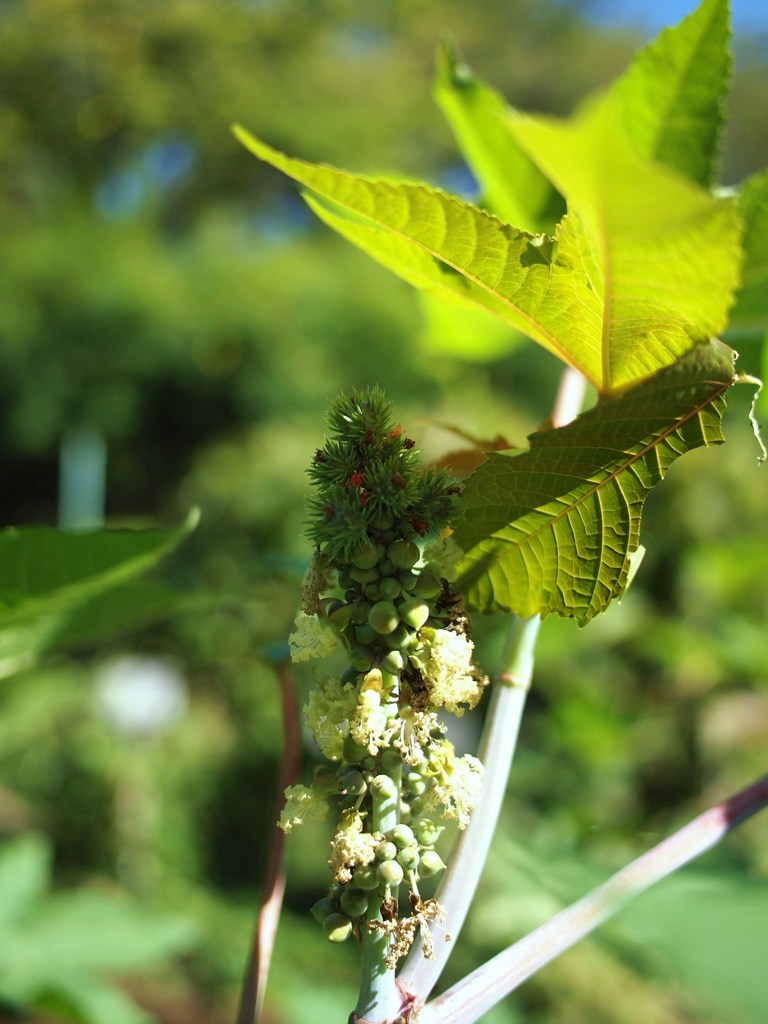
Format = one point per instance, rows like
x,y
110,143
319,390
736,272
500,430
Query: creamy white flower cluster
x,y
312,638
336,710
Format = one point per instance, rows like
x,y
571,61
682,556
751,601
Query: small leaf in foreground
x,y
554,528
59,588
99,617
43,564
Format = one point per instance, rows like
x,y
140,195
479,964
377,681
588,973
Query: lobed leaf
x,y
453,248
642,271
456,250
554,528
672,95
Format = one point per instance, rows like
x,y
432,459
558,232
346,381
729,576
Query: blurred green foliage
x,y
40,962
160,287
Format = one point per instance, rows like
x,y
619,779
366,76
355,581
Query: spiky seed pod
x,y
369,481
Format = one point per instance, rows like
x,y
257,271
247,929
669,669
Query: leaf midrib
x,y
605,335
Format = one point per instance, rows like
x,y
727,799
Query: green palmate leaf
x,y
644,271
661,254
50,582
672,96
511,184
534,283
554,528
750,314
452,248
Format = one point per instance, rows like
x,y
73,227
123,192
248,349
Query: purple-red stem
x,y
260,954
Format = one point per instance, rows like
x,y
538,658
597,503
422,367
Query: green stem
x,y
379,1000
497,749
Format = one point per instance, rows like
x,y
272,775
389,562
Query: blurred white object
x,y
141,695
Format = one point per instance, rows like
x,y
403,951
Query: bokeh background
x,y
172,326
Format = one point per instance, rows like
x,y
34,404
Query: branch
x,y
418,975
257,965
472,997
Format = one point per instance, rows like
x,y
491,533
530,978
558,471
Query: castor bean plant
x,y
604,239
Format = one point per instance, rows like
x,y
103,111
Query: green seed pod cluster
x,y
373,504
399,856
402,852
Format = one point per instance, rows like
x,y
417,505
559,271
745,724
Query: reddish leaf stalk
x,y
260,955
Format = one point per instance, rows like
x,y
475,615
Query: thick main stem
x,y
379,1000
